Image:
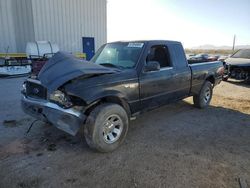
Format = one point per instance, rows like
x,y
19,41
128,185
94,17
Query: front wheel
x,y
106,127
203,99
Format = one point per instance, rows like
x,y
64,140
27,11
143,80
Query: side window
x,y
160,54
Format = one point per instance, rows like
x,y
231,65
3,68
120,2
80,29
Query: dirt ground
x,y
174,146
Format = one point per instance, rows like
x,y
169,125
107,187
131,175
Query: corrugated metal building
x,y
63,22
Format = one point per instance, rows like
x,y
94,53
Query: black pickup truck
x,y
121,81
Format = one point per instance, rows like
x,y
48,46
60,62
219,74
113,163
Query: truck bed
x,y
202,70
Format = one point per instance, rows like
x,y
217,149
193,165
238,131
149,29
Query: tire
x,y
106,127
203,99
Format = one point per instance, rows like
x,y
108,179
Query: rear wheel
x,y
106,127
203,99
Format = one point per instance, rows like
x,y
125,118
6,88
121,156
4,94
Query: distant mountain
x,y
212,47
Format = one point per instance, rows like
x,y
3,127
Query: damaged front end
x,y
66,119
44,97
237,72
238,65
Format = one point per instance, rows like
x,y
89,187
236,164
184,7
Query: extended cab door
x,y
182,72
165,85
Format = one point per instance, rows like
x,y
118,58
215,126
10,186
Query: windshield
x,y
121,55
242,54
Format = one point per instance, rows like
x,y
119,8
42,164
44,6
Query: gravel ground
x,y
174,146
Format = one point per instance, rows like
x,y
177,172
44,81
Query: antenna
x,y
234,42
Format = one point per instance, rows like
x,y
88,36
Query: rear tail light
x,y
220,71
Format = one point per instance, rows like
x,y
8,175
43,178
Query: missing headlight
x,y
60,98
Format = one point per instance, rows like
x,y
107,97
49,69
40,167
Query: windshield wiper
x,y
111,65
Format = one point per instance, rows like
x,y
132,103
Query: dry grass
x,y
241,105
232,103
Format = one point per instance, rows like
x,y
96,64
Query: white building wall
x,y
23,21
7,27
65,22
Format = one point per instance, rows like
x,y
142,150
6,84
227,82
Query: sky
x,y
193,22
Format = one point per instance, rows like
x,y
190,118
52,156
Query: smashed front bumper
x,y
68,120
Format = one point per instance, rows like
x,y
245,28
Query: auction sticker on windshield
x,y
135,45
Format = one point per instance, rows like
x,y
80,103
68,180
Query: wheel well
x,y
109,99
211,79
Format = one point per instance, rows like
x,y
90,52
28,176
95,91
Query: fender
x,y
111,96
209,76
89,99
124,93
117,99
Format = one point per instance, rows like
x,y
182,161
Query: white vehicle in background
x,y
222,58
39,53
238,65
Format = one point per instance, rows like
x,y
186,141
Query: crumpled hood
x,y
63,67
238,61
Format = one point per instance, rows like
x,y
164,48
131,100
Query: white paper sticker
x,y
135,45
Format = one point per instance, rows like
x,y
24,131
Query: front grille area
x,y
36,90
227,69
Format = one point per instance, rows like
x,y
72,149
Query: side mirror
x,y
152,66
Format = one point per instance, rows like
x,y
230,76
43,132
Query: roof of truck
x,y
149,41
